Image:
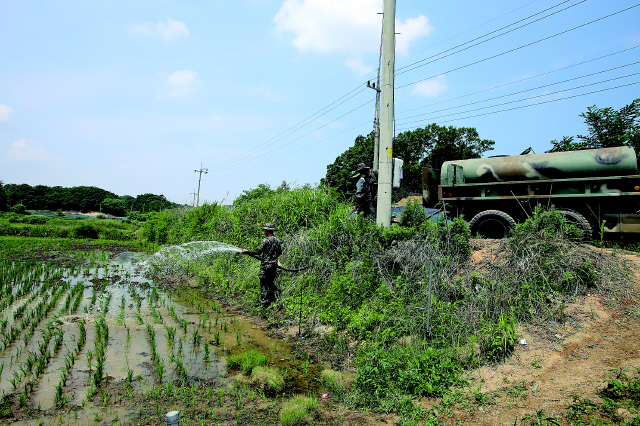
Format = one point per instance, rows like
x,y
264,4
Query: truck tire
x,y
579,221
492,224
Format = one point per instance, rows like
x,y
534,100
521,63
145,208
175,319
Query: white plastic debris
x,y
523,341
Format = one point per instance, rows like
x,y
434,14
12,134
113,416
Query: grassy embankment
x,y
370,287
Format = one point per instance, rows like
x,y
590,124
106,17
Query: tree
x,y
423,147
607,128
339,173
4,205
114,206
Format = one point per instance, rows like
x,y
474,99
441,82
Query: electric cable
x,y
522,79
242,160
530,105
529,98
466,31
291,129
306,134
526,90
520,47
294,152
485,35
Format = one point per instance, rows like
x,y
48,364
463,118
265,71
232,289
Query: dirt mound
x,y
597,337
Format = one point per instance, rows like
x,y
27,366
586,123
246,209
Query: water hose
x,y
255,256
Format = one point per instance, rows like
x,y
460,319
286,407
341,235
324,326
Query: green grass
x,y
299,410
246,361
267,379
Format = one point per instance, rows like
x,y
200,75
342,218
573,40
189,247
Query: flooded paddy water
x,y
78,326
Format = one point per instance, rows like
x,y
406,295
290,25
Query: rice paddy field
x,y
86,338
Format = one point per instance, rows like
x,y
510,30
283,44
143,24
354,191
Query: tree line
x,y
79,198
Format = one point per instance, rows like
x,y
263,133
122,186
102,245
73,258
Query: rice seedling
x,y
120,317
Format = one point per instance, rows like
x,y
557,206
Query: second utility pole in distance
x,y
199,179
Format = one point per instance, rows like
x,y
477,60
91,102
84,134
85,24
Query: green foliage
x,y
337,383
268,379
114,206
246,361
422,147
418,370
340,171
545,225
433,145
607,128
19,209
85,230
4,200
81,198
299,410
413,214
498,337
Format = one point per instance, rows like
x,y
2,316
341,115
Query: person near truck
x,y
365,191
270,249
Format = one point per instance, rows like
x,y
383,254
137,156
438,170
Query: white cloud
x,y
5,112
170,31
179,84
348,27
410,30
358,65
27,150
432,87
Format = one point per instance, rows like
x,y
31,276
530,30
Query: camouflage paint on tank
x,y
616,161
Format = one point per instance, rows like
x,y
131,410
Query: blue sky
x,y
134,96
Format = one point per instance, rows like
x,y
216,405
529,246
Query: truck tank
x,y
618,161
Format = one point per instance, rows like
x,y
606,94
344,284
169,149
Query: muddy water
x,y
191,335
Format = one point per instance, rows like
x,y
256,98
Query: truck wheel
x,y
579,221
492,224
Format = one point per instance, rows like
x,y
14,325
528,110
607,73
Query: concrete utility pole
x,y
193,204
385,164
199,179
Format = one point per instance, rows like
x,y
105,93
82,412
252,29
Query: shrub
x,y
19,209
246,361
383,372
268,379
413,214
85,230
499,337
34,220
299,410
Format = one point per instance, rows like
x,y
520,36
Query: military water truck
x,y
590,187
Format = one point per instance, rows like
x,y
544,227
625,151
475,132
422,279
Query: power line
x,y
307,134
300,124
470,29
244,159
531,97
527,90
520,47
522,79
530,105
485,35
294,152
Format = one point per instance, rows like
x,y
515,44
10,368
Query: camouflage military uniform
x,y
365,200
271,250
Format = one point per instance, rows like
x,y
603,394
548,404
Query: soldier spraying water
x,y
270,249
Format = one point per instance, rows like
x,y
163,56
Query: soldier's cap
x,y
269,227
361,167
